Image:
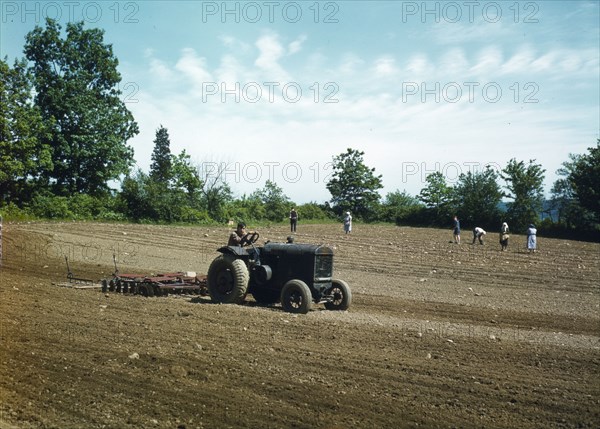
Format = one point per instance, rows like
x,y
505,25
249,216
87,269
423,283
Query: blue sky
x,y
273,90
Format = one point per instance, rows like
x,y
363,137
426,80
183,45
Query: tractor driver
x,y
235,238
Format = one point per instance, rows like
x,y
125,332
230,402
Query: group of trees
x,y
477,196
177,191
71,136
478,199
576,195
64,131
64,128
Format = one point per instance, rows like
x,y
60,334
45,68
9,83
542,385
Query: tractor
x,y
294,274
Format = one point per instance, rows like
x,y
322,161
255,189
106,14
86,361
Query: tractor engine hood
x,y
297,249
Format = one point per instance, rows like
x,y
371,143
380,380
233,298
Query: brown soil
x,y
438,335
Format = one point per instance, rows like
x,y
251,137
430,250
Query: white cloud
x,y
488,62
453,62
570,63
453,33
234,44
521,62
545,63
160,70
229,70
419,68
350,63
296,45
270,52
194,68
370,114
385,66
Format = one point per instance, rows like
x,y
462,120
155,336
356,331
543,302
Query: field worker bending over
x,y
478,234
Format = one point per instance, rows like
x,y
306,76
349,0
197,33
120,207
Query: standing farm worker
x,y
531,238
456,230
504,236
478,234
293,219
347,223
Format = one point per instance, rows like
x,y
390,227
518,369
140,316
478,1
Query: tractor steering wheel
x,y
250,238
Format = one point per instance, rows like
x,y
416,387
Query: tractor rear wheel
x,y
296,297
227,280
342,297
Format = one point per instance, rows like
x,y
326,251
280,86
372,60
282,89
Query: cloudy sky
x,y
273,90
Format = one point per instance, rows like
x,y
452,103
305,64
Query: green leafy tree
x,y
564,200
525,187
354,186
575,194
186,178
171,192
135,198
477,197
246,208
586,180
161,166
312,211
142,198
23,155
276,203
400,207
76,83
216,192
437,197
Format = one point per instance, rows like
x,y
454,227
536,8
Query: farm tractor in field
x,y
294,274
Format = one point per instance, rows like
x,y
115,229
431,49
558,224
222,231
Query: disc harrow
x,y
160,284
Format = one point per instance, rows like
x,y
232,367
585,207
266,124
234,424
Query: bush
x,y
86,207
312,211
111,216
50,207
13,212
192,215
245,211
79,206
547,228
419,216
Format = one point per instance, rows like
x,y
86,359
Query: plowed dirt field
x,y
438,335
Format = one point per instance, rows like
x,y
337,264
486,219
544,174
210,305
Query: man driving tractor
x,y
241,237
236,236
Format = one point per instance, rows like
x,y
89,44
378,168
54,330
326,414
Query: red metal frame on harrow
x,y
158,285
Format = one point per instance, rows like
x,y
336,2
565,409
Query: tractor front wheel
x,y
227,280
296,297
341,296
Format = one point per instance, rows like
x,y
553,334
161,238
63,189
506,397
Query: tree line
x,y
64,135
